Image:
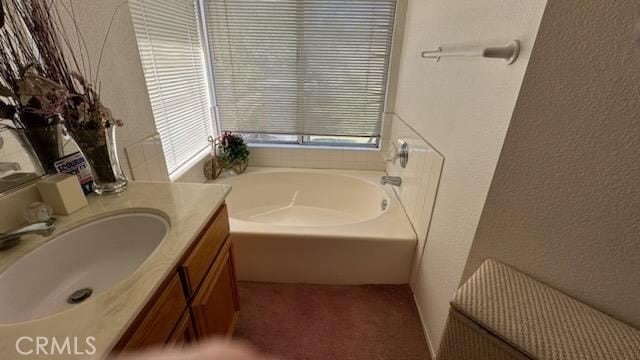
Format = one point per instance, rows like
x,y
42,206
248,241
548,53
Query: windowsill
x,y
189,165
182,170
314,147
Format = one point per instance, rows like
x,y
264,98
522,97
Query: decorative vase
x,y
98,146
46,142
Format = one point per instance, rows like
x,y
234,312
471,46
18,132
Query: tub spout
x,y
391,180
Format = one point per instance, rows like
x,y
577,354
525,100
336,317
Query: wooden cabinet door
x,y
215,308
158,321
184,333
195,267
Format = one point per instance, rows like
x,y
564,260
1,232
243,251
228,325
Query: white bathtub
x,y
318,226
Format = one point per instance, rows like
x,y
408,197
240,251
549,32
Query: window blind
x,y
303,67
171,51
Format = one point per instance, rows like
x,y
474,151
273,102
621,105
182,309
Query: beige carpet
x,y
311,322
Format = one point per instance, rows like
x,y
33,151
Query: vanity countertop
x,y
107,316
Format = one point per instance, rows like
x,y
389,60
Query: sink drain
x,y
79,296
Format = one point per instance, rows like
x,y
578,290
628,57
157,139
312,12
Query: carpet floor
x,y
318,322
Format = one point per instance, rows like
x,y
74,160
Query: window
x,y
308,72
316,140
172,55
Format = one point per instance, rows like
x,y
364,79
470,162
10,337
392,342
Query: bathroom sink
x,y
77,265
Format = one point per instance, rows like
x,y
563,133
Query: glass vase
x,y
98,146
46,142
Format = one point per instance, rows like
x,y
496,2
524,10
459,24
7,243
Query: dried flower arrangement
x,y
35,70
43,78
33,84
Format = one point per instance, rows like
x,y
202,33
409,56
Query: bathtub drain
x,y
384,204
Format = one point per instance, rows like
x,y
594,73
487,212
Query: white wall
x,y
123,85
317,158
420,180
462,107
146,160
564,206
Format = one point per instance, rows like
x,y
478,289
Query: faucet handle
x,y
38,212
400,151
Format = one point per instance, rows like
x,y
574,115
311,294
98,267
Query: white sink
x,y
86,261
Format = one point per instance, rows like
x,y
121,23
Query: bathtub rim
x,y
393,224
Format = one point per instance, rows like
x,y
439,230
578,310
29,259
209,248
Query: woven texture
x,y
542,322
465,340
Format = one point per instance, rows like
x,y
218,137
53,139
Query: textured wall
x,y
564,205
462,107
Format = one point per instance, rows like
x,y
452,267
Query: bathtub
x,y
318,227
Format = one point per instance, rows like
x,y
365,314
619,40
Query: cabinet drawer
x,y
159,321
197,264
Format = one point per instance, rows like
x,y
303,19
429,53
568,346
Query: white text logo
x,y
42,345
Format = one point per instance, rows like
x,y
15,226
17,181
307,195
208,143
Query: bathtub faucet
x,y
392,180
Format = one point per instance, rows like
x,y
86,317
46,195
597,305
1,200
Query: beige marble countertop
x,y
107,315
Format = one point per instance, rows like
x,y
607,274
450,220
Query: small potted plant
x,y
234,152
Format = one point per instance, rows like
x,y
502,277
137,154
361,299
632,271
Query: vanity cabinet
x,y
184,332
160,319
198,300
215,306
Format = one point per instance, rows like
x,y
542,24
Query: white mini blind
x,y
304,67
172,55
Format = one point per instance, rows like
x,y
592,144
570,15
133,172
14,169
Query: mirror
x,y
28,155
18,162
32,139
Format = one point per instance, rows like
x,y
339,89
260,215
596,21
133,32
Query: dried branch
x,y
29,40
104,42
43,71
1,15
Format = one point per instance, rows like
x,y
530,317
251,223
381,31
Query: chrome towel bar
x,y
508,52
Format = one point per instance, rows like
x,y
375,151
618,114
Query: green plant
x,y
234,149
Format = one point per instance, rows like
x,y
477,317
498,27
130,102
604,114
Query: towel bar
x,y
508,52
